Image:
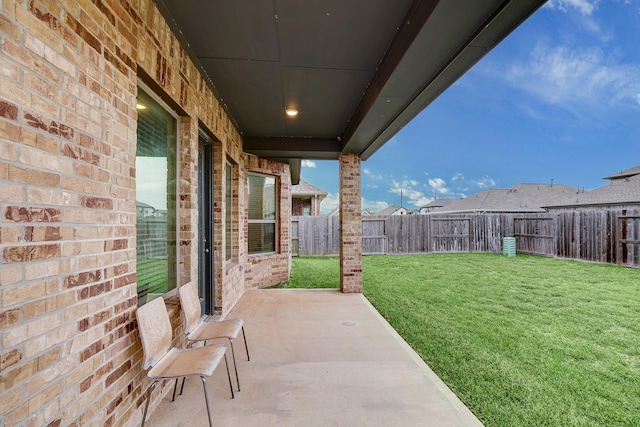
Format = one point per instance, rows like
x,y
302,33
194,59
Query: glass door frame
x,y
206,282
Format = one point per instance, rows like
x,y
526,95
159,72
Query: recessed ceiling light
x,y
291,112
140,106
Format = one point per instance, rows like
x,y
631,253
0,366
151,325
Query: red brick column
x,y
350,224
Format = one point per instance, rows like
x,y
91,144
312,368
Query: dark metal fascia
x,y
412,24
413,108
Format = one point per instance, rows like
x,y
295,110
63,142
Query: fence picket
x,y
599,235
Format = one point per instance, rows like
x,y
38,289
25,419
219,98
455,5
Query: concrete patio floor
x,y
318,358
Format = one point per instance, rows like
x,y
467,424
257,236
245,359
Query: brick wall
x,y
268,269
312,204
315,206
69,71
350,223
298,205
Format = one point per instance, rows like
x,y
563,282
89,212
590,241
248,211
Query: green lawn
x,y
153,272
522,341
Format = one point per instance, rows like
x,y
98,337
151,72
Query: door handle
x,y
206,251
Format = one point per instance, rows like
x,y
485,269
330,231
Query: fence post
x,y
591,235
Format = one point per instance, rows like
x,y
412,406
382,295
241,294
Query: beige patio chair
x,y
168,362
199,328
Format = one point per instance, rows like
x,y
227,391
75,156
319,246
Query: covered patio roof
x,y
356,71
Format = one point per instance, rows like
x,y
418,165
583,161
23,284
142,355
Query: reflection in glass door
x,y
205,224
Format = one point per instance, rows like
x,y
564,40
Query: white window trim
x,y
276,243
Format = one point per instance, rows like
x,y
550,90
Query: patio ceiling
x,y
357,71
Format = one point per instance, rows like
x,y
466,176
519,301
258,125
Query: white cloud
x,y
485,182
332,201
460,185
408,193
584,13
329,203
373,206
576,77
584,7
309,164
415,194
438,185
369,174
393,141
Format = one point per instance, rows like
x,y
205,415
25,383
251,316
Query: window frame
x,y
231,168
274,221
172,285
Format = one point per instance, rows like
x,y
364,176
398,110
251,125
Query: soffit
x,y
357,70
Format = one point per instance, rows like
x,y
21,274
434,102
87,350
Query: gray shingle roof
x,y
619,191
389,210
438,203
624,174
519,198
306,189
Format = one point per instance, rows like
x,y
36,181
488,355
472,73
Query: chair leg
x,y
182,385
146,406
245,344
190,345
228,375
235,365
206,400
175,386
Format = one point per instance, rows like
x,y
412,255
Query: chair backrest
x,y
190,303
155,331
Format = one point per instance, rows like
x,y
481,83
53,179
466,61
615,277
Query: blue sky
x,y
558,99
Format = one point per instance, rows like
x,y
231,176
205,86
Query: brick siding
x,y
267,269
298,205
69,349
350,223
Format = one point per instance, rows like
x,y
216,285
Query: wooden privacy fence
x,y
599,235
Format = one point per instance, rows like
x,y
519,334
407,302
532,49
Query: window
x,y
155,198
228,217
262,213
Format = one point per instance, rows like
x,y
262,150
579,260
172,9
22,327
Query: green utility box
x,y
509,246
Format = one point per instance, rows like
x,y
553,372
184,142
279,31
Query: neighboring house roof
x,y
624,174
305,189
143,205
336,211
620,191
519,198
437,203
390,210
